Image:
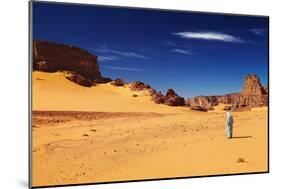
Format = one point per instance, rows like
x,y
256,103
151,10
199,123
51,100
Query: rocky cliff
x,y
253,94
53,57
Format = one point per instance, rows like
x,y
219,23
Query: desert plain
x,y
106,133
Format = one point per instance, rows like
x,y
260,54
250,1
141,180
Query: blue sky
x,y
193,53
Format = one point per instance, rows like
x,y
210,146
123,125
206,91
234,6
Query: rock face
x,y
139,86
53,57
158,98
265,88
171,98
118,82
78,79
205,102
252,86
252,95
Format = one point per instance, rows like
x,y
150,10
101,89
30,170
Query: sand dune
x,y
119,137
51,91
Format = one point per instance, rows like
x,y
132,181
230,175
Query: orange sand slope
x,y
51,91
127,138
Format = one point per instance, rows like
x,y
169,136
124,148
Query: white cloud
x,y
127,54
213,36
260,32
182,51
124,68
130,54
107,58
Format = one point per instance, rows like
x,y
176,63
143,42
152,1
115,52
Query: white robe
x,y
229,125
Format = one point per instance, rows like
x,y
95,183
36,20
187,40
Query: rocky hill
x,y
171,98
253,94
81,66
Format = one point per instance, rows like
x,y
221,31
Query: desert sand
x,y
103,133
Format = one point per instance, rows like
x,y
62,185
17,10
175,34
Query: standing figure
x,y
229,125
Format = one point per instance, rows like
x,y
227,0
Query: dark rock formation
x,y
152,91
253,95
118,82
158,98
80,80
174,101
265,88
171,98
53,57
102,80
140,86
205,102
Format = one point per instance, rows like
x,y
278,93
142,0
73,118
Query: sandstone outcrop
x,y
205,102
53,57
118,82
140,86
171,98
252,95
78,79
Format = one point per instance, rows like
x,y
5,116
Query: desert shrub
x,y
240,160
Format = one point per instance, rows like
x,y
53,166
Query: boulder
x,y
118,82
174,101
170,99
205,102
103,80
171,93
152,91
139,86
158,98
78,79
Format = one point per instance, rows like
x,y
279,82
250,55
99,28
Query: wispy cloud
x,y
259,31
182,51
212,36
127,54
130,54
107,58
124,68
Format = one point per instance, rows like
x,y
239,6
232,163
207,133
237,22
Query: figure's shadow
x,y
237,137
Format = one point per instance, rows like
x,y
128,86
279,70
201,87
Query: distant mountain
x,y
253,94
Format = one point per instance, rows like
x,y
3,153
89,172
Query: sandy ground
x,y
51,91
115,136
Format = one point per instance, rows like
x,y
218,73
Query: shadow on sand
x,y
237,137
